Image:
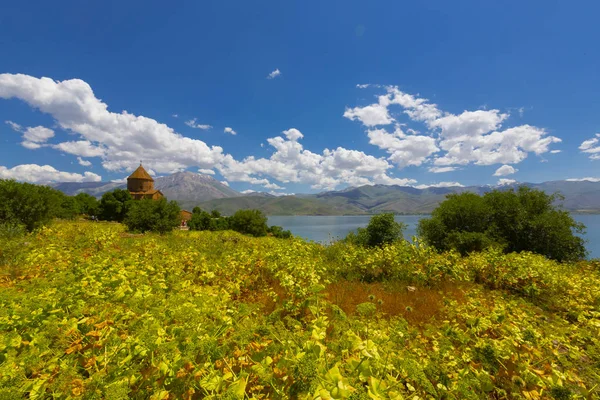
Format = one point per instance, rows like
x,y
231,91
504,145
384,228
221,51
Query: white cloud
x,y
126,138
471,137
175,115
225,183
438,170
404,149
505,170
273,186
82,148
33,137
192,124
290,162
363,86
83,162
505,181
555,151
206,171
14,126
44,174
372,115
592,147
249,191
589,179
440,185
274,74
38,134
229,130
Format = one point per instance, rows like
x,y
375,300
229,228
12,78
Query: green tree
x,y
382,229
215,214
160,216
29,205
87,204
515,220
250,222
278,232
115,205
200,221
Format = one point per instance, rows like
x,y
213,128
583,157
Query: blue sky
x,y
484,91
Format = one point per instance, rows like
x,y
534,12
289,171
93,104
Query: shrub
x,y
153,215
87,204
31,205
278,232
250,222
382,229
115,205
521,220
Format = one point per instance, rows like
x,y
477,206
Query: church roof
x,y
140,173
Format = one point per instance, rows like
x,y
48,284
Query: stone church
x,y
141,185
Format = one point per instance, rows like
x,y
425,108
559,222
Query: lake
x,y
325,229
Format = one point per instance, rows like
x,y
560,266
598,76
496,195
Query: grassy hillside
x,y
87,311
286,205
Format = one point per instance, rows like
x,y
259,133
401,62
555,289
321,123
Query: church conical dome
x,y
140,173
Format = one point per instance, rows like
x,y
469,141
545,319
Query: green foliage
x,y
278,232
521,220
32,205
92,313
114,205
87,204
152,216
382,229
250,222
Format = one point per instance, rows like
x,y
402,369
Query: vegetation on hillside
x,y
382,229
513,220
159,216
249,222
88,312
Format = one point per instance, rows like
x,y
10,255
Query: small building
x,y
186,215
141,185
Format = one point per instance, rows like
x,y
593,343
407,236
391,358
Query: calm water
x,y
327,228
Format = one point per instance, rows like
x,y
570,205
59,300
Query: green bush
x,y
521,220
87,204
382,229
278,232
152,215
115,205
250,222
32,205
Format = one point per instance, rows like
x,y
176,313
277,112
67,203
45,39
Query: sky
x,y
301,97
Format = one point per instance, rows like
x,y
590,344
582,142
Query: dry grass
x,y
417,307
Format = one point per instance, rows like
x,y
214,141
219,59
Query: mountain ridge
x,y
193,189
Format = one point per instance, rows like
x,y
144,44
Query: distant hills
x,y
191,189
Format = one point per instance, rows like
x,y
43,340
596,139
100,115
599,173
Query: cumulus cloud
x,y
225,183
440,185
505,181
290,162
206,171
589,179
505,170
229,130
274,74
33,137
591,147
83,162
80,148
438,170
404,149
471,137
192,124
120,139
45,174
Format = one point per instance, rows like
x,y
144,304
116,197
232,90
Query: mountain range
x,y
191,189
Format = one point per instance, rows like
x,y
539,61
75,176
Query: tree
x,y
278,232
115,205
200,220
152,215
215,214
29,205
515,220
382,229
87,204
251,222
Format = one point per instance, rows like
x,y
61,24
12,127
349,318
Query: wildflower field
x,y
88,311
